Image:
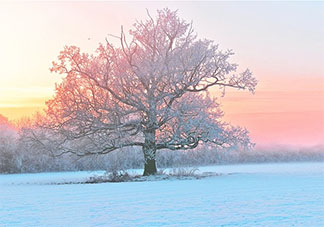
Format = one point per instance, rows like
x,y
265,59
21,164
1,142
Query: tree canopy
x,y
151,92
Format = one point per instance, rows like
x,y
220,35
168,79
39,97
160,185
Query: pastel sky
x,y
281,42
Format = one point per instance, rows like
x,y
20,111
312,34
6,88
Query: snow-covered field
x,y
246,195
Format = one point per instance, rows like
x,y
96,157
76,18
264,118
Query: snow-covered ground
x,y
286,194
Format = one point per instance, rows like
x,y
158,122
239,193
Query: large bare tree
x,y
151,92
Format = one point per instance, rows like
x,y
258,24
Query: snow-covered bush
x,y
9,159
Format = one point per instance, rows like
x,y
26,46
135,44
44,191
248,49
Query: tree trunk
x,y
149,150
149,167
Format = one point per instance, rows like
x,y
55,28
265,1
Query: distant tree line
x,y
19,155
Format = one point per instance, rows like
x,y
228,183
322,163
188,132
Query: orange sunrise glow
x,y
288,104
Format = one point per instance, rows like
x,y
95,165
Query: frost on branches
x,y
151,92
